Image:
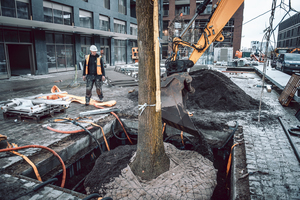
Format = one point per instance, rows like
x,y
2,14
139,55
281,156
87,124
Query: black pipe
x,y
77,124
292,131
114,133
43,184
184,137
290,140
231,135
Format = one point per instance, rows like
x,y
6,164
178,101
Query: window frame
x,y
66,10
16,15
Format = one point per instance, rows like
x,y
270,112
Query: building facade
x,y
43,36
289,32
173,23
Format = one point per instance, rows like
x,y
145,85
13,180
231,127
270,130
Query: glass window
x,y
104,23
67,18
107,4
61,57
120,51
88,41
8,8
85,19
24,36
49,38
51,58
58,16
23,10
60,52
69,57
3,68
133,29
48,17
119,26
184,9
165,10
68,39
11,36
59,38
57,13
122,7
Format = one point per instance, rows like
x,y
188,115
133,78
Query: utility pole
x,y
151,159
268,35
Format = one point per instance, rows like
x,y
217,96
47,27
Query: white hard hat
x,y
93,48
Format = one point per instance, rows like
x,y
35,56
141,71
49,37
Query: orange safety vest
x,y
99,72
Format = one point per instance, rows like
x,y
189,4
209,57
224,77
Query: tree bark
x,y
151,159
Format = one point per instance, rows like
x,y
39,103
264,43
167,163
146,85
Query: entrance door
x,y
20,59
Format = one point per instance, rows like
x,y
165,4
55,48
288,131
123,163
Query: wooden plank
x,y
289,91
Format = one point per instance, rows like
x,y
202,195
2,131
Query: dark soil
x,y
215,91
108,166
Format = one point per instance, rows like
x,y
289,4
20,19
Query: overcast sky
x,y
253,31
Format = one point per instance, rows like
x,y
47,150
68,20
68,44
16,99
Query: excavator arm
x,y
222,11
177,84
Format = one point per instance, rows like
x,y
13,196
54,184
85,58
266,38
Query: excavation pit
x,y
82,163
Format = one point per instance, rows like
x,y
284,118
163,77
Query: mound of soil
x,y
108,165
215,91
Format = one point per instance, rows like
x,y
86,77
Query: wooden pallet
x,y
51,109
289,91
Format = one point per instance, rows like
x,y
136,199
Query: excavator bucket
x,y
174,93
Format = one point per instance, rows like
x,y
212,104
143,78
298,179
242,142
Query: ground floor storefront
x,y
35,51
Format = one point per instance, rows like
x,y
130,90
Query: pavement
x,y
272,171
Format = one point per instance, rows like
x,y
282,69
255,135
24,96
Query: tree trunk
x,y
151,159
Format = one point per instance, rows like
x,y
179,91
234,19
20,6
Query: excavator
x,y
176,86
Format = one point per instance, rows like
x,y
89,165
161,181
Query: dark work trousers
x,y
90,80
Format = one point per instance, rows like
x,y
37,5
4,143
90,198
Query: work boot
x,y
87,101
100,98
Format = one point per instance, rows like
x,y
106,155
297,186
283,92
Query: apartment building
x,y
48,36
171,17
289,32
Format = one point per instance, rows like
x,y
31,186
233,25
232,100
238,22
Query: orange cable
x,y
43,147
68,132
164,128
182,137
81,130
27,160
119,121
229,159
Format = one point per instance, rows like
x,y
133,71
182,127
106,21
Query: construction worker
x,y
93,73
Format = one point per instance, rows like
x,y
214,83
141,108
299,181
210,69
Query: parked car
x,y
288,63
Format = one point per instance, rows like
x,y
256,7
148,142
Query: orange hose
x,y
68,132
43,147
114,114
164,128
229,159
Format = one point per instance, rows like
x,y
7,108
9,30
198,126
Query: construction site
x,y
172,128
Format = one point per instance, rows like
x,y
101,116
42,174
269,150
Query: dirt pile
x,y
215,91
108,165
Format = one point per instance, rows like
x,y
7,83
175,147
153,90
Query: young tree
x,y
151,159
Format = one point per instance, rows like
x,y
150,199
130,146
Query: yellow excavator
x,y
177,84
